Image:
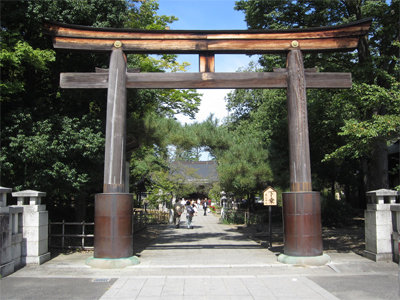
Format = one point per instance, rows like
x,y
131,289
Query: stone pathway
x,y
212,261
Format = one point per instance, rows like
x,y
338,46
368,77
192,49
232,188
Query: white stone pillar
x,y
378,225
3,196
35,227
6,263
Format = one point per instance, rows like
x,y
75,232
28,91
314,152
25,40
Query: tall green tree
x,y
243,166
353,127
154,161
53,139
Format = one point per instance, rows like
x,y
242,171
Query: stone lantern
x,y
223,199
230,198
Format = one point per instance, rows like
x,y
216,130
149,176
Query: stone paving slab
x,y
32,288
368,286
223,287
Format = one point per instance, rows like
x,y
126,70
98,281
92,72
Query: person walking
x,y
195,208
189,215
205,207
183,202
178,209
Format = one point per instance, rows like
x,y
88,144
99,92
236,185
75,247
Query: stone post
x,y
3,196
6,264
11,235
378,225
35,225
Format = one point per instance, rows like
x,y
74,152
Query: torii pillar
x,y
113,208
301,206
113,235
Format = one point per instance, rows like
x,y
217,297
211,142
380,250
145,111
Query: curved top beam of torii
x,y
342,37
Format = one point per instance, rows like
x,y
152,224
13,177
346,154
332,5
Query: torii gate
x,y
301,206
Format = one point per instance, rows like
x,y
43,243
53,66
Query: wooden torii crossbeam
x,y
301,206
261,80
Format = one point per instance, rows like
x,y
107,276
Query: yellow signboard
x,y
270,197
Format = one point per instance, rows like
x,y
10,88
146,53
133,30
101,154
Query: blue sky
x,y
207,15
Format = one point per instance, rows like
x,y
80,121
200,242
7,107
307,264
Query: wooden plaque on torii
x,y
301,206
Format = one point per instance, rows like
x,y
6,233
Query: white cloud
x,y
212,102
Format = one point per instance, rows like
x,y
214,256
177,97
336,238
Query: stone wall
x,y
23,231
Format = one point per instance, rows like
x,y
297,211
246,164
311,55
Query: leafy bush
x,y
234,217
336,213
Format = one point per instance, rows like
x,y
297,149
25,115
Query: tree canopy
x,y
349,129
53,139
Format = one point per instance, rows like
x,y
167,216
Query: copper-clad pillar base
x,y
302,230
113,237
302,224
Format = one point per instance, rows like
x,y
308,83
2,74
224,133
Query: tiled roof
x,y
206,171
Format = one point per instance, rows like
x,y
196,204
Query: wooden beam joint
x,y
206,62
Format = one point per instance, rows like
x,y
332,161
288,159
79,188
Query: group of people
x,y
191,207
